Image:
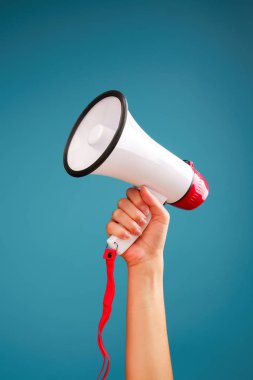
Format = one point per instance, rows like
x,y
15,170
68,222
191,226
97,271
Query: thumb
x,y
158,211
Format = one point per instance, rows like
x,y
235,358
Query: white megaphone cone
x,y
106,140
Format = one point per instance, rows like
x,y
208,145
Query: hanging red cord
x,y
109,256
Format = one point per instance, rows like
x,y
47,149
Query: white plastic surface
x,y
136,159
122,245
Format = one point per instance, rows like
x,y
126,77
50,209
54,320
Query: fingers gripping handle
x,y
122,245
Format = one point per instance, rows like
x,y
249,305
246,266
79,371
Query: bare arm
x,y
147,347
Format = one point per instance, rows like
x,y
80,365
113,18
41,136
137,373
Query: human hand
x,y
130,216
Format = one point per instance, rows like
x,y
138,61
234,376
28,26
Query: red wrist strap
x,y
109,256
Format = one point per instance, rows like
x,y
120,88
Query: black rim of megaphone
x,y
113,143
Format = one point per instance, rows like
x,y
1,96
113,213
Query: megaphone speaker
x,y
106,140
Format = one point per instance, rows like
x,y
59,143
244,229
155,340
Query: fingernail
x,y
126,235
138,231
145,210
143,221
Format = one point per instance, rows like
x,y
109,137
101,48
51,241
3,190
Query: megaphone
x,y
106,140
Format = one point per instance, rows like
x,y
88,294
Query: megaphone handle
x,y
122,245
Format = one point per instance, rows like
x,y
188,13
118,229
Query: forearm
x,y
147,347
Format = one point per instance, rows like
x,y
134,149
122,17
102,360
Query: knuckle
x,y
129,191
108,227
121,202
116,213
166,216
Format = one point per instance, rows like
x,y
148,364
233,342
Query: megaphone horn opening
x,y
72,165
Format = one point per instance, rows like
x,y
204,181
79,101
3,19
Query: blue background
x,y
186,70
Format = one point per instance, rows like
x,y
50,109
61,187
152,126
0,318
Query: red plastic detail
x,y
109,256
197,193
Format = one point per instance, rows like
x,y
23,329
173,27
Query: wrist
x,y
152,268
145,281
